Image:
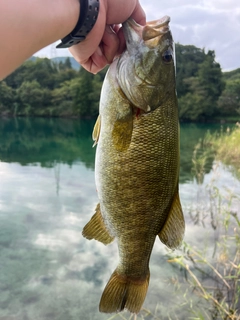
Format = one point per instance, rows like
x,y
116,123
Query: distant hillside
x,y
74,63
234,74
61,88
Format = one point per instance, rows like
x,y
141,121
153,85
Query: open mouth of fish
x,y
160,25
152,29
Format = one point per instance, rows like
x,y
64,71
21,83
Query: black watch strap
x,y
88,16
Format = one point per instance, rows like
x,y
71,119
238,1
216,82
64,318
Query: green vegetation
x,y
227,146
199,83
221,145
52,88
205,92
41,87
213,269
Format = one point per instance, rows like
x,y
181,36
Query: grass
x,y
212,270
227,147
214,275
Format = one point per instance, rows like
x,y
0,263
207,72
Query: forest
x,y
45,88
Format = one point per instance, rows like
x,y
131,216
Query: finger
x,y
110,43
96,62
139,15
122,42
105,53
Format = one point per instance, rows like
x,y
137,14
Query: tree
x,y
210,76
64,75
188,59
86,94
41,70
42,87
67,64
62,99
16,78
44,72
229,101
7,98
200,92
33,98
195,102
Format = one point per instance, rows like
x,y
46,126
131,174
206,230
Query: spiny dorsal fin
x,y
96,130
173,230
96,229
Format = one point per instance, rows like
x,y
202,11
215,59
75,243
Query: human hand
x,y
106,41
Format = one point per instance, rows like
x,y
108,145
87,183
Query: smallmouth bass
x,y
137,161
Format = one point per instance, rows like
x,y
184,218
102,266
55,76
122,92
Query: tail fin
x,y
122,292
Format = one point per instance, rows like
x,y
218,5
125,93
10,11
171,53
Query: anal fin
x,y
96,229
173,230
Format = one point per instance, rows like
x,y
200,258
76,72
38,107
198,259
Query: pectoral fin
x,y
96,229
122,131
173,230
96,131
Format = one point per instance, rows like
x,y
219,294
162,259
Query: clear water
x,y
47,195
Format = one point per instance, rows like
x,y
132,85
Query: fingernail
x,y
109,29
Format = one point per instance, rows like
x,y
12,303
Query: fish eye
x,y
167,56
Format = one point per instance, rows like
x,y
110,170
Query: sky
x,y
210,24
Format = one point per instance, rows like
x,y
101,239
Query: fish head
x,y
146,69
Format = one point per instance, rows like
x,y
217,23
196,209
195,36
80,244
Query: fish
x,y
137,161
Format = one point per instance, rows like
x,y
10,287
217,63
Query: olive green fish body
x,y
137,164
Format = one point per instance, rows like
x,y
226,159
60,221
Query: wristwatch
x,y
89,10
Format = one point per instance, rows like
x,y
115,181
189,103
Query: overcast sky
x,y
210,24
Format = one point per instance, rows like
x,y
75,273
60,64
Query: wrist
x,y
89,10
67,17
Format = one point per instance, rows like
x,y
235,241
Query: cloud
x,y
212,25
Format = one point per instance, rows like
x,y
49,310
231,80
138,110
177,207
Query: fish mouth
x,y
151,30
156,28
160,23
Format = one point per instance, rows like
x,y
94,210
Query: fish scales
x,y
137,164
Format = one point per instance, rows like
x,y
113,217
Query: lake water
x,y
47,195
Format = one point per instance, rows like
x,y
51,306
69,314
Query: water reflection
x,y
53,141
47,194
46,141
48,271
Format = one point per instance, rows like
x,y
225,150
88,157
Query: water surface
x,y
47,195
